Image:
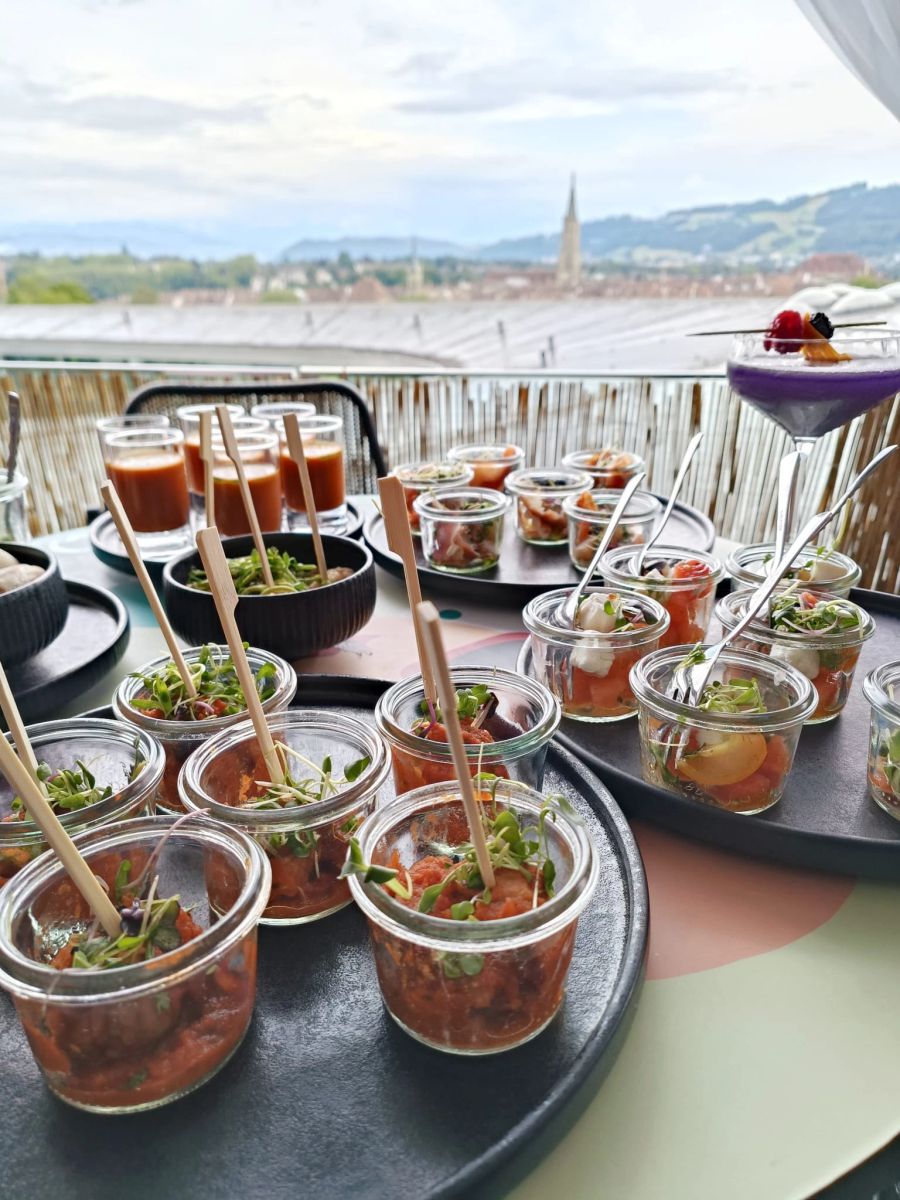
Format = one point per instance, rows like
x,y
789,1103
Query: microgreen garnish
x,y
66,791
288,574
218,690
736,696
476,703
799,612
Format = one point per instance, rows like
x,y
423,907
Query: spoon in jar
x,y
788,470
569,608
641,556
15,413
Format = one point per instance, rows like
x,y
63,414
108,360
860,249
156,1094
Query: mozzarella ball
x,y
594,660
592,615
806,661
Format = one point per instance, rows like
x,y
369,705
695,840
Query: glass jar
x,y
735,761
426,477
519,729
828,660
13,524
490,464
472,987
146,467
610,468
588,515
462,528
306,844
189,419
323,445
111,752
539,494
881,688
181,738
827,570
683,581
258,450
587,670
136,1037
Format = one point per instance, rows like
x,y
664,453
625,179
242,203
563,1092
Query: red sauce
x,y
193,465
153,491
325,461
265,489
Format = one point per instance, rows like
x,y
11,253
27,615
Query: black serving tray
x,y
107,545
92,641
524,571
825,819
328,1099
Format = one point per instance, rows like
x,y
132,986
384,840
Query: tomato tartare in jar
x,y
424,478
154,699
819,634
588,514
611,468
735,748
587,667
334,768
126,1023
882,689
490,464
463,968
539,493
683,581
462,529
507,723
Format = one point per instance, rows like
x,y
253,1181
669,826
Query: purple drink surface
x,y
809,400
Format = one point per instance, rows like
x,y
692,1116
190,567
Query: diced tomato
x,y
777,760
690,568
751,792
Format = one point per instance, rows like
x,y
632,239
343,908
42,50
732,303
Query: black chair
x,y
365,461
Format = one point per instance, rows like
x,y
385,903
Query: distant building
x,y
368,290
415,275
568,269
819,267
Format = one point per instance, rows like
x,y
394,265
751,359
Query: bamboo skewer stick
x,y
431,630
399,538
726,332
225,597
126,533
38,808
208,458
298,454
231,449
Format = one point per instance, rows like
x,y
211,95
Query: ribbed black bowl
x,y
33,615
294,625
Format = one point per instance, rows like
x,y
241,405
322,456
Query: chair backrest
x,y
365,460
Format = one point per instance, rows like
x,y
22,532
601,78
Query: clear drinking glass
x,y
881,688
146,467
323,444
258,452
13,523
189,418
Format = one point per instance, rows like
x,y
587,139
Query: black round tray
x,y
824,820
92,641
107,545
328,1099
524,571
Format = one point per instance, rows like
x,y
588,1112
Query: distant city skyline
x,y
253,126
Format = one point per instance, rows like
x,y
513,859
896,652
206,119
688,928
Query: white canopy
x,y
865,35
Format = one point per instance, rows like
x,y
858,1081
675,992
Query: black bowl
x,y
33,615
294,625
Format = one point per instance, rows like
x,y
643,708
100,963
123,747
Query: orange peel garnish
x,y
818,349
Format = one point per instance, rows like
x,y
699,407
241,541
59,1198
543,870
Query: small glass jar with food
x,y
462,528
881,688
820,567
682,581
735,748
587,666
420,478
818,633
154,699
334,768
588,514
491,464
463,968
539,493
611,468
507,724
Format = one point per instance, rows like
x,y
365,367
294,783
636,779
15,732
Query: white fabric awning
x,y
865,35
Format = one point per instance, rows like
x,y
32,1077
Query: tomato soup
x,y
153,491
193,465
265,488
325,461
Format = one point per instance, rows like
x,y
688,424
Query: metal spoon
x,y
569,607
788,470
693,444
14,424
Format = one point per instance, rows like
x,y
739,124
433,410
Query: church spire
x,y
570,211
568,269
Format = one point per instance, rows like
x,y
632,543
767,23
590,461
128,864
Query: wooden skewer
x,y
126,533
38,808
231,449
10,710
729,332
298,454
399,538
208,458
221,585
431,629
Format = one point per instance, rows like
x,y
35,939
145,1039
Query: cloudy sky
x,y
266,121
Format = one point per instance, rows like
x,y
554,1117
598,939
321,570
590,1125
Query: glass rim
x,y
611,497
849,333
278,408
526,482
124,421
570,460
610,565
729,614
410,474
875,689
460,453
152,437
249,439
191,412
427,504
505,933
740,559
536,623
320,423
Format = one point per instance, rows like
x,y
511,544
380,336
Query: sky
x,y
255,124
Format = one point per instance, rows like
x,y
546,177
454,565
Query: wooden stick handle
x,y
431,629
10,710
126,533
400,542
208,458
231,449
38,808
298,454
222,587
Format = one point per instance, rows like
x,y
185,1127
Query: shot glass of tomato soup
x,y
611,468
507,723
323,444
133,422
259,456
146,467
123,1039
882,690
491,464
478,976
682,581
335,767
188,416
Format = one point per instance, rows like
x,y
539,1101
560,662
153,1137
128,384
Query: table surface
x,y
762,1057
